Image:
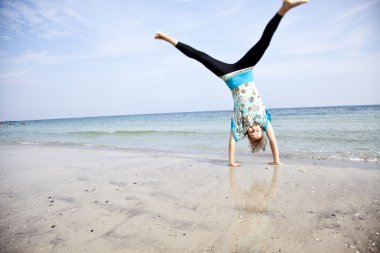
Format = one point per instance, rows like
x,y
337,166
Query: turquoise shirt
x,y
248,105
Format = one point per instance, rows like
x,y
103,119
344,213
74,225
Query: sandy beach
x,y
62,199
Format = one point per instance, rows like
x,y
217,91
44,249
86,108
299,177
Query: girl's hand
x,y
273,145
232,151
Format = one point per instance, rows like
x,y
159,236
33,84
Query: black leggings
x,y
248,60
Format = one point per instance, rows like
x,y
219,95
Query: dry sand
x,y
56,199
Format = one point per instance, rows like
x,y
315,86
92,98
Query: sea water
x,y
329,133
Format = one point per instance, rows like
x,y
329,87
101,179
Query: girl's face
x,y
255,132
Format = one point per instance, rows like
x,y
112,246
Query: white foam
x,y
356,159
26,143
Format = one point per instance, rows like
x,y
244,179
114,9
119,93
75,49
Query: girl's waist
x,y
238,78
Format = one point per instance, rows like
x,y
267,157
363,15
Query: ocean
x,y
350,133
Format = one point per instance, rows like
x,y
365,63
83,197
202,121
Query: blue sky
x,y
72,58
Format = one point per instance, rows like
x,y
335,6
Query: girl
x,y
250,117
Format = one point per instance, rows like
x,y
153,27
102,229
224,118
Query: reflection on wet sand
x,y
245,234
258,197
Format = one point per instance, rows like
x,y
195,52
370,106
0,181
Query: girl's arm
x,y
273,145
232,151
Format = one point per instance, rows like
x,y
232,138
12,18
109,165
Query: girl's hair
x,y
256,145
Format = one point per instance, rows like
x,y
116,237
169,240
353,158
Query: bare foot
x,y
293,3
235,164
289,4
164,36
159,35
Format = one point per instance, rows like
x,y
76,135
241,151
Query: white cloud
x,y
337,67
333,35
12,74
357,11
52,34
328,41
230,11
36,58
46,19
5,37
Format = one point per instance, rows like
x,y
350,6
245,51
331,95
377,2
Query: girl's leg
x,y
257,51
249,59
215,66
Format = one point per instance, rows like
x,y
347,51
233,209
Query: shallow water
x,y
328,133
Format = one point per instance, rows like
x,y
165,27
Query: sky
x,y
68,58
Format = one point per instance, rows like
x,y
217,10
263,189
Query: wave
x,y
58,143
332,156
134,132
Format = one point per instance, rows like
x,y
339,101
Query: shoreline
x,y
246,157
58,199
205,133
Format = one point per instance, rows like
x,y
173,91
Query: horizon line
x,y
157,113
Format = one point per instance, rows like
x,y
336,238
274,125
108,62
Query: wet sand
x,y
56,199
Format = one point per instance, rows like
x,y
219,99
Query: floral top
x,y
248,105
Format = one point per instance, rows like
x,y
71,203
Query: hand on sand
x,y
234,164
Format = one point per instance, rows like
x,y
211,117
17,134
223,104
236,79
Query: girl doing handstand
x,y
250,116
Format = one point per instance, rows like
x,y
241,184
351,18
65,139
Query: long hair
x,y
256,145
